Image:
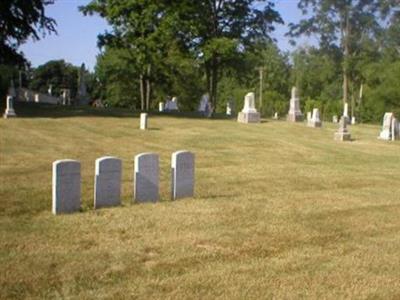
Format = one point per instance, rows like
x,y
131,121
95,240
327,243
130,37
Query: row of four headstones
x,y
108,174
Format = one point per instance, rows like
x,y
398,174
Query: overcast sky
x,y
76,41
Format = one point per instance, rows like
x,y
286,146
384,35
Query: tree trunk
x,y
214,83
346,56
141,92
148,88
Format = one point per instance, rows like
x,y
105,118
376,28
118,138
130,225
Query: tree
x,y
345,23
219,31
58,73
19,20
140,27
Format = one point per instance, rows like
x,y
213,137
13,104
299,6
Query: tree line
x,y
160,48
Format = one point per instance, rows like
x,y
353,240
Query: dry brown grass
x,y
281,211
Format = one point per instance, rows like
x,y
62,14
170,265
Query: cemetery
x,y
249,175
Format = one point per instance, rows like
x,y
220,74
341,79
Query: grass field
x,y
281,211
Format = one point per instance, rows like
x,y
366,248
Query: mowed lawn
x,y
281,211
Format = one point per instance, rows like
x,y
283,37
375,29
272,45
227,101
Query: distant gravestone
x,y
172,105
107,182
66,186
182,168
315,120
249,113
146,179
161,106
335,119
353,120
309,115
386,133
395,129
143,121
346,112
342,134
294,114
276,116
9,112
229,108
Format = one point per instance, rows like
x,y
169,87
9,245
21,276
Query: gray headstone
x,y
386,127
66,186
182,167
107,182
146,179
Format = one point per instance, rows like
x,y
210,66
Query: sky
x,y
76,38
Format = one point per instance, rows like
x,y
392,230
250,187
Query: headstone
x,y
229,108
9,112
249,113
386,133
107,182
50,90
276,116
295,114
82,97
315,120
143,121
161,106
395,129
66,97
66,186
172,105
203,103
353,120
342,134
346,112
146,178
309,116
37,98
335,119
182,167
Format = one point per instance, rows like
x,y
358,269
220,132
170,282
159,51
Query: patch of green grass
x,y
281,211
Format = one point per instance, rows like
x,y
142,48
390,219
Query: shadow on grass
x,y
41,110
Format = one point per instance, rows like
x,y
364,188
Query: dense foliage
x,y
158,49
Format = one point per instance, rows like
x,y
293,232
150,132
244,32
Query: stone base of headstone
x,y
314,124
295,118
253,117
342,136
9,113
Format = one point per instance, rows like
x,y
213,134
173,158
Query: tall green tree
x,y
20,20
345,23
219,31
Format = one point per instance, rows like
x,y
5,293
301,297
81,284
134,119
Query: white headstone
x,y
161,106
9,112
276,116
346,110
353,120
66,186
395,129
249,113
229,109
335,119
309,116
386,133
146,179
295,114
107,182
182,167
315,120
143,121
